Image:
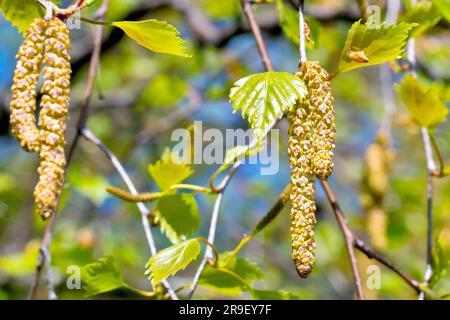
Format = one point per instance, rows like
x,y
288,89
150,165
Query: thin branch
x,y
48,6
89,135
257,34
301,26
208,252
348,237
370,253
363,9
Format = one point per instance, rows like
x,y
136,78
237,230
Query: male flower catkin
x,y
53,117
303,207
26,76
320,101
46,41
311,143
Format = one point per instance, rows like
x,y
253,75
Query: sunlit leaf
x,y
424,14
157,36
91,186
21,13
169,170
444,8
164,91
424,104
264,97
440,262
224,282
179,215
377,44
102,276
169,261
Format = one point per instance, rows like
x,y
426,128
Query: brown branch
x,y
257,34
348,237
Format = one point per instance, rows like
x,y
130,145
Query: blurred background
x,y
141,97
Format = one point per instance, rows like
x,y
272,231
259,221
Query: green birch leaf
x,y
444,8
423,103
367,47
169,261
264,97
157,36
179,216
424,14
169,171
102,276
223,282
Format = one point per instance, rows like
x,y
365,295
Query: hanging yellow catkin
x,y
26,76
53,117
46,42
320,101
303,208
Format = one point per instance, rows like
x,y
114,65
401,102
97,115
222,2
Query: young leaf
x,y
164,91
169,171
226,283
424,104
20,13
264,97
157,36
102,276
178,215
440,262
169,261
424,14
377,45
444,7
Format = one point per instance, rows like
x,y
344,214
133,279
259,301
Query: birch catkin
x,y
26,76
321,101
311,143
303,207
46,41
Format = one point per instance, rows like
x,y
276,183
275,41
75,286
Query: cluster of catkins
x,y
311,142
46,46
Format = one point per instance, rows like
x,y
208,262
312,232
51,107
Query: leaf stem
x,y
213,248
97,22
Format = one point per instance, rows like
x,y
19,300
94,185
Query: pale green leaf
x,y
157,36
164,91
264,97
92,187
440,261
221,9
102,276
424,14
21,263
424,104
444,8
21,13
378,45
179,215
225,283
169,170
169,261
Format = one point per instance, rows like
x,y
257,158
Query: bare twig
x,y
348,237
301,26
211,237
89,135
257,34
363,9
